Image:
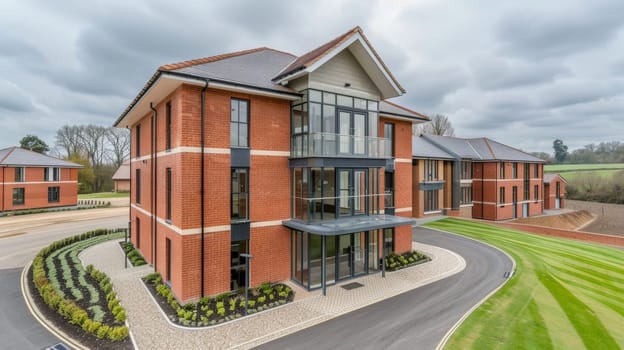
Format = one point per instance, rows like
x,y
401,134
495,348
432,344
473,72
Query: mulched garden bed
x,y
73,331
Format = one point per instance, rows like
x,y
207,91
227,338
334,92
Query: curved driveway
x,y
418,319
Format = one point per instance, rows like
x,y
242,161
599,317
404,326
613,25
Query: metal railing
x,y
320,144
325,208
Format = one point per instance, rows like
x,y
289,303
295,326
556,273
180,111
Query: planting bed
x,y
396,262
80,301
133,255
222,308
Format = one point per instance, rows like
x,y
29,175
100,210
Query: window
x,y
53,194
466,195
138,140
558,190
466,170
19,174
137,181
536,192
431,170
168,126
514,170
18,196
239,123
502,196
536,170
389,134
502,170
389,189
388,241
138,232
237,264
240,199
169,194
431,200
527,182
51,174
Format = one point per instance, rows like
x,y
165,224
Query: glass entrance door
x,y
351,255
352,130
359,253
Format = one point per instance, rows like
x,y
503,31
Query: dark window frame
x,y
466,195
431,170
432,201
388,233
466,170
501,194
235,196
536,192
169,179
237,264
54,194
514,170
137,143
168,125
137,189
20,174
237,143
19,196
390,128
502,170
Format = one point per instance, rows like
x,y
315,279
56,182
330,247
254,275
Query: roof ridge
x,y
11,149
315,56
407,109
515,149
489,147
215,58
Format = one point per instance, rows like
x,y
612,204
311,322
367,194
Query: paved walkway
x,y
151,329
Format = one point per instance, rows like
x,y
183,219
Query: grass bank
x,y
104,195
564,294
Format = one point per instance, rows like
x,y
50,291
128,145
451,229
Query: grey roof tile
x,y
421,148
15,156
481,149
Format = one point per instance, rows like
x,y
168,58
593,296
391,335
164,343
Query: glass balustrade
x,y
339,145
329,208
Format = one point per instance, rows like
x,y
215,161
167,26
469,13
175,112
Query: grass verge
x,y
102,195
564,295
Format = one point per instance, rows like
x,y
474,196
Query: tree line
x,y
100,150
593,153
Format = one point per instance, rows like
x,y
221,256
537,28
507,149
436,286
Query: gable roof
x,y
394,110
480,149
15,156
123,172
258,71
422,148
311,60
550,177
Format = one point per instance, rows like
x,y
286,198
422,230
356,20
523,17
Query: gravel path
x,y
151,330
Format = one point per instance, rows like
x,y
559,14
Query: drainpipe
x,y
3,181
153,185
497,193
202,183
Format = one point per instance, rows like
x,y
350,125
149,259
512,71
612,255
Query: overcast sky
x,y
521,72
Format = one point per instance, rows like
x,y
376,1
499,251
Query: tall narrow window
x,y
137,181
466,172
431,200
389,134
168,126
389,189
51,174
536,192
502,196
502,170
237,264
536,170
138,232
18,196
240,195
514,170
466,192
169,194
53,194
239,123
19,174
558,190
527,182
138,140
431,170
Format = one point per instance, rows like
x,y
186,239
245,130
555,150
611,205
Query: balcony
x,y
330,208
339,146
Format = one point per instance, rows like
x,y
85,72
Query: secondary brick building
x,y
478,178
297,160
32,180
554,191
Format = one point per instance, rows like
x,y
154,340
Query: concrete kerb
x,y
452,330
34,310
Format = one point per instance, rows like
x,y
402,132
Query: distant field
x,y
559,168
565,294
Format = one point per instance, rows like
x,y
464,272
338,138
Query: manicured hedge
x,y
59,291
134,255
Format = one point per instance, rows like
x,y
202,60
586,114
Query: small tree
x,y
439,125
33,143
561,151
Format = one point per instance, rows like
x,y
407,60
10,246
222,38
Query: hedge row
x,y
66,307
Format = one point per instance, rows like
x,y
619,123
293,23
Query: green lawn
x,y
564,295
103,195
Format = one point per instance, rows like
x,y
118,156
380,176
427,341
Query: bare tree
x,y
68,138
439,125
119,142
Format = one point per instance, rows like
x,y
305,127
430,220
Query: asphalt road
x,y
20,239
418,319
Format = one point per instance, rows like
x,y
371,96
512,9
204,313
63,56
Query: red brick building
x,y
296,160
478,178
554,191
30,180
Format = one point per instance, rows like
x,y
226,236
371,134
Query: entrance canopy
x,y
349,224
